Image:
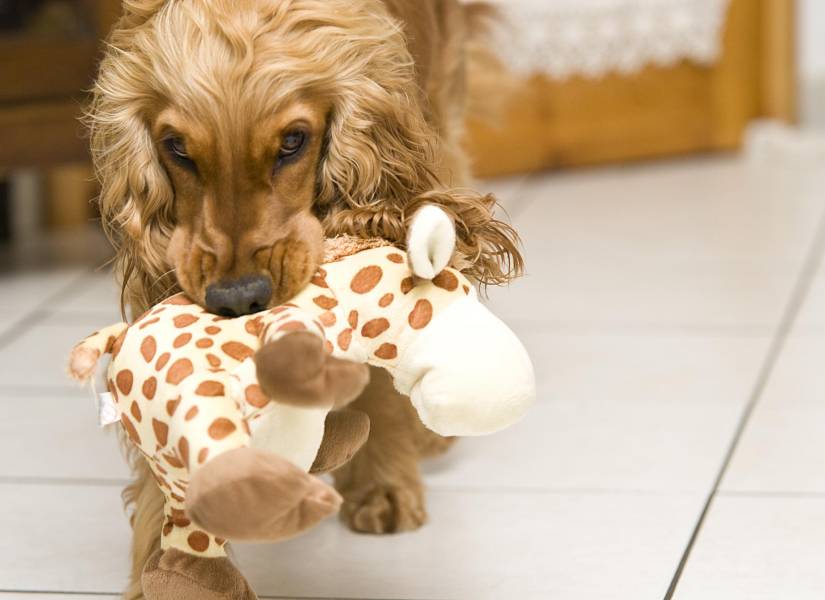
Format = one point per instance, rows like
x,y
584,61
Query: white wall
x,y
812,39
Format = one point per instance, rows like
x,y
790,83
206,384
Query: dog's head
x,y
224,132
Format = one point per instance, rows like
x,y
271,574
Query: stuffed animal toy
x,y
219,406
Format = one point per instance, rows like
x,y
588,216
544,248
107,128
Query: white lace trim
x,y
563,38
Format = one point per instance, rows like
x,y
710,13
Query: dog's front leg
x,y
382,487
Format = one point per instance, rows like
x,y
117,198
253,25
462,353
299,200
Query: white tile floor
x,y
677,321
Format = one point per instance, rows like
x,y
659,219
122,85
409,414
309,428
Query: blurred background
x,y
664,162
597,82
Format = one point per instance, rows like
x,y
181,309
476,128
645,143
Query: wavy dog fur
x,y
391,143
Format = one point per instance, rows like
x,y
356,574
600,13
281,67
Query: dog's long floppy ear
x,y
380,150
141,10
381,159
135,193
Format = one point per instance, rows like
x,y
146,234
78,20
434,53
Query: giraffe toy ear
x,y
431,241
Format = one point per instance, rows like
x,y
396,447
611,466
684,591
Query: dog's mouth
x,y
275,276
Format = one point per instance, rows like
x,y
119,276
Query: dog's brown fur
x,y
378,89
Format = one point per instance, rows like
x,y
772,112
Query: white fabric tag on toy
x,y
106,409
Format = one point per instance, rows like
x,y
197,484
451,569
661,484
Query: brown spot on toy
x,y
366,279
353,319
161,430
202,455
210,389
325,302
148,347
421,315
467,289
167,528
198,541
319,280
255,396
328,347
124,380
387,351
386,300
292,326
135,410
254,326
180,370
328,319
113,390
191,413
130,429
118,344
237,350
179,518
204,343
221,428
372,329
150,387
396,258
212,330
407,284
162,360
146,324
182,321
179,300
182,340
172,406
345,339
214,361
446,281
183,448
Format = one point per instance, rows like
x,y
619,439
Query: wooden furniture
x,y
658,112
43,83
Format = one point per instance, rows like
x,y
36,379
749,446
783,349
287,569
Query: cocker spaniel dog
x,y
230,136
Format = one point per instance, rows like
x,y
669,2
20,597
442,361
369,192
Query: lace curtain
x,y
562,38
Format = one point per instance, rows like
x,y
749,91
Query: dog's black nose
x,y
240,297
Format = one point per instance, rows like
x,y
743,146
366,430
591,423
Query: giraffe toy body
x,y
190,387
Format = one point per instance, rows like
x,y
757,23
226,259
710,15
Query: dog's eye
x,y
177,148
292,143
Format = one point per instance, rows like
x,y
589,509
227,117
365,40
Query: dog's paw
x,y
385,509
297,370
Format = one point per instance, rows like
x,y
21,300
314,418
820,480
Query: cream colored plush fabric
x,y
184,380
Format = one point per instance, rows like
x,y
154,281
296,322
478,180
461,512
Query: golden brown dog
x,y
229,136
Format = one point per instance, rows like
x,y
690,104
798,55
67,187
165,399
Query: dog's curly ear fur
x,y
382,161
135,193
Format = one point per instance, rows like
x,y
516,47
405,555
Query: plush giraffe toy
x,y
230,450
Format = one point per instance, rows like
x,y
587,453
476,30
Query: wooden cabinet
x,y
49,50
44,72
658,112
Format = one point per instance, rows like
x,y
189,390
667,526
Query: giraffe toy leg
x,y
231,490
192,563
295,364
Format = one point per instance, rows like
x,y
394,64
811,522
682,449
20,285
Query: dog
x,y
230,136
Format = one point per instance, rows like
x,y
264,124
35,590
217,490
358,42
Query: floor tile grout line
x,y
769,494
799,293
118,595
8,480
522,205
40,312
